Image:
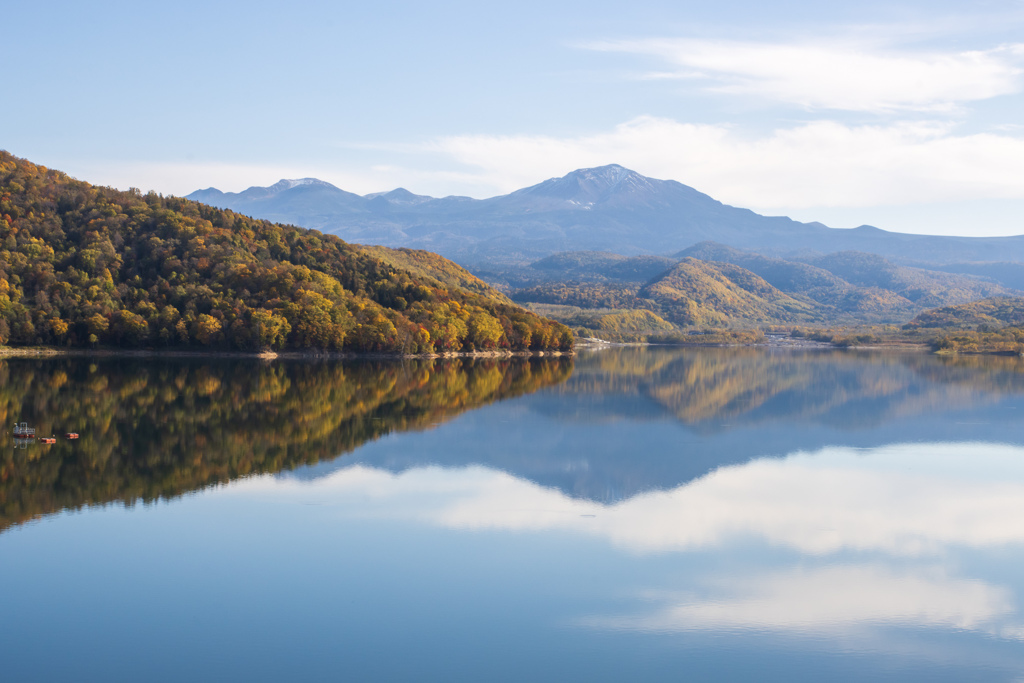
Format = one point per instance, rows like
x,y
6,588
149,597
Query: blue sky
x,y
904,115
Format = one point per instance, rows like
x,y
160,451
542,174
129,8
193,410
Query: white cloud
x,y
837,75
817,164
831,598
909,501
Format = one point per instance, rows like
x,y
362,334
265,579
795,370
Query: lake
x,y
632,514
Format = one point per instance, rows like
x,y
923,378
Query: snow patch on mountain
x,y
288,184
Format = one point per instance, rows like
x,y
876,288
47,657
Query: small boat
x,y
23,431
71,435
48,440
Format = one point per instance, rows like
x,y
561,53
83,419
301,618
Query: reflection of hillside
x,y
710,386
633,419
151,430
706,387
618,370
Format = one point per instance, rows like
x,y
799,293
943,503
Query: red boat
x,y
71,435
47,440
23,431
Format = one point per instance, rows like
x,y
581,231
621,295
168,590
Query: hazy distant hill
x,y
810,282
608,208
995,312
714,285
857,283
1008,274
600,265
925,288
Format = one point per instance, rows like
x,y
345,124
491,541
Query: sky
x,y
906,115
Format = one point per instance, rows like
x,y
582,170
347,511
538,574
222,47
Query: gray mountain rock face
x,y
609,208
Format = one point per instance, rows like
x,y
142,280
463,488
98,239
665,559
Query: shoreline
x,y
52,352
771,343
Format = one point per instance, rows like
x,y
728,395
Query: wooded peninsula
x,y
83,266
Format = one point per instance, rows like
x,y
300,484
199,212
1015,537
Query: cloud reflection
x,y
903,509
829,599
906,500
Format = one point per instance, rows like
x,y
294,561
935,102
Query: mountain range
x,y
608,208
712,285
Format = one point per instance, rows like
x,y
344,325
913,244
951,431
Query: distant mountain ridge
x,y
711,285
607,208
856,282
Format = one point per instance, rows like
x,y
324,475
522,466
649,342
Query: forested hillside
x,y
697,292
83,266
837,297
601,266
994,325
925,288
430,265
715,285
993,313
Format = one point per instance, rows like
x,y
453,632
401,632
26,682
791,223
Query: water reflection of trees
x,y
152,430
700,386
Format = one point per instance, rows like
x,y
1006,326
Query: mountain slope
x,y
925,288
608,208
1007,274
791,276
82,265
878,291
600,266
995,312
429,265
698,292
802,280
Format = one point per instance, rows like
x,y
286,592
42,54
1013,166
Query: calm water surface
x,y
638,514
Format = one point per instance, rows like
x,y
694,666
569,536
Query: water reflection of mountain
x,y
634,419
623,421
156,429
711,388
